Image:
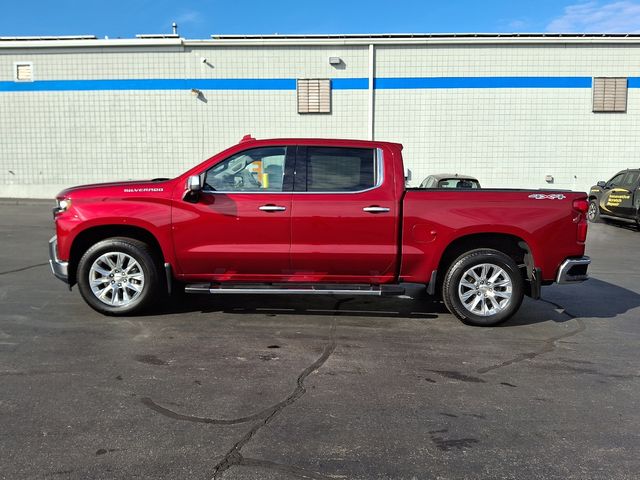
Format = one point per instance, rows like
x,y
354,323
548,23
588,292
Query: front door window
x,y
255,170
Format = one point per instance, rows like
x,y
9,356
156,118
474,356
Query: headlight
x,y
62,206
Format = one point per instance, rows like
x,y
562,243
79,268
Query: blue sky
x,y
200,19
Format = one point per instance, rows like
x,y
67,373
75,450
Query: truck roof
x,y
318,141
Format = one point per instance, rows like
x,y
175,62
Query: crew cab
x,y
315,216
618,198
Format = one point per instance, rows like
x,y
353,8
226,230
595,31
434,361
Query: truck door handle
x,y
272,208
376,209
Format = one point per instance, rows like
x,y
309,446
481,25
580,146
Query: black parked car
x,y
618,198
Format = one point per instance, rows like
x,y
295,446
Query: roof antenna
x,y
174,27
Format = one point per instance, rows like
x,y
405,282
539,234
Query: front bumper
x,y
573,270
59,268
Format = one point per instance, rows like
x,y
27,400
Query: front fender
x,y
153,217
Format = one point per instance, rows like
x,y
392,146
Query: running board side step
x,y
295,289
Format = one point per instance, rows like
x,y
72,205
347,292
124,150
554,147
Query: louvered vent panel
x,y
609,95
24,72
314,96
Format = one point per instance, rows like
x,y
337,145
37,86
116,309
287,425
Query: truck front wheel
x,y
593,214
118,276
483,287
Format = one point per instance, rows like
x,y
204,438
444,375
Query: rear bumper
x,y
59,268
573,270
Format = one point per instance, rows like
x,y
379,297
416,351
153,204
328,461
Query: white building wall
x,y
507,137
51,139
510,137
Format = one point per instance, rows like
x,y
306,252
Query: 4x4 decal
x,y
547,196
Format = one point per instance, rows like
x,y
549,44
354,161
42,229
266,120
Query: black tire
x,y
499,311
593,214
146,270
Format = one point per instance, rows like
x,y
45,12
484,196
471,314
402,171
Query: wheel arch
x,y
85,239
512,245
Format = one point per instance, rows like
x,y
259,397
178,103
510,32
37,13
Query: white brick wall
x,y
509,137
510,60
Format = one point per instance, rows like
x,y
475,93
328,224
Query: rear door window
x,y
337,169
630,180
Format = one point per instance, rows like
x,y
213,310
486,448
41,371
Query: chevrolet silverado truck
x,y
311,216
618,198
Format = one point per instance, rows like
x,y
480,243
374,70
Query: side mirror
x,y
194,187
602,184
194,184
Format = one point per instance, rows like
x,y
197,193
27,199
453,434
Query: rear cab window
x,y
458,183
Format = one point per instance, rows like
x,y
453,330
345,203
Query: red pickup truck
x,y
311,216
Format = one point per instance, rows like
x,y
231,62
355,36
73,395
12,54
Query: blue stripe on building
x,y
482,82
244,84
151,84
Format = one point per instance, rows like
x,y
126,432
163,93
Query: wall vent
x,y
609,95
314,96
23,72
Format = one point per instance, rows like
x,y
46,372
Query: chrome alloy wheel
x,y
116,279
593,211
485,289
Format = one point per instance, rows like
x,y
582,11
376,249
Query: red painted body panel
x,y
433,219
145,205
225,237
334,240
321,237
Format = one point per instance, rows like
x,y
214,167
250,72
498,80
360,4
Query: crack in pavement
x,y
149,403
549,345
24,268
234,456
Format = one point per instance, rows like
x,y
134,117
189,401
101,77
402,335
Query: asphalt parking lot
x,y
296,387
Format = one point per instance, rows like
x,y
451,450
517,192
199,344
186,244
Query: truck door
x,y
344,221
610,200
636,202
618,194
240,228
629,194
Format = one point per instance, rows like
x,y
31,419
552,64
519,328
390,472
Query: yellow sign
x,y
617,196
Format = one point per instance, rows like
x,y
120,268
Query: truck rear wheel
x,y
483,287
118,276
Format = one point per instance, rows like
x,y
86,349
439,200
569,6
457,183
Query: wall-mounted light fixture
x,y
195,92
548,179
335,60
